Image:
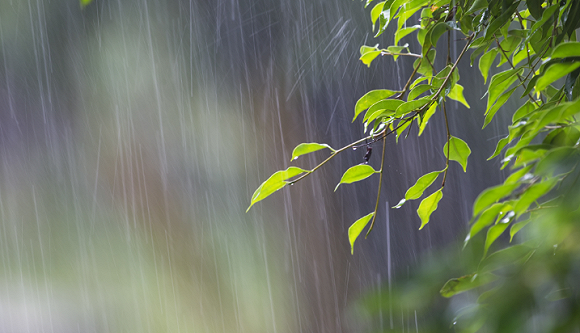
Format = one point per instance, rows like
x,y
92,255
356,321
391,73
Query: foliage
x,y
534,42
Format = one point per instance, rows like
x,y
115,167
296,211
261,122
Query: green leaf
x,y
426,116
368,57
485,63
457,94
500,145
438,30
415,105
498,104
305,148
532,194
274,183
555,72
371,98
458,151
404,32
418,90
492,195
535,7
493,233
517,227
523,111
500,21
85,3
428,206
386,104
356,228
564,50
499,83
416,191
488,217
465,283
355,174
375,12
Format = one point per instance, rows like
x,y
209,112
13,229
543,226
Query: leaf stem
x,y
386,52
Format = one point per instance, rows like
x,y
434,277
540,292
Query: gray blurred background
x,y
133,134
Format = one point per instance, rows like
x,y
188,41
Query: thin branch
x,y
448,145
379,192
522,81
387,52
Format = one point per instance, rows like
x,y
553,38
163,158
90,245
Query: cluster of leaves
x,y
534,42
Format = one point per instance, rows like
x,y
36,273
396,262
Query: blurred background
x,y
133,134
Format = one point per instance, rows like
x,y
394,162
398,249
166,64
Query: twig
x,y
379,192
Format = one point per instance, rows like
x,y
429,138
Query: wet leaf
x,y
371,98
277,181
355,174
555,72
356,228
493,233
492,195
465,283
458,151
428,206
416,191
305,148
457,94
500,146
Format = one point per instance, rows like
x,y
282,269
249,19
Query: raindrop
x,y
353,148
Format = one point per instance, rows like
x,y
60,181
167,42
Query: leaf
x,y
274,183
416,191
305,148
375,12
418,90
500,145
564,50
458,151
517,227
465,283
493,233
428,206
485,63
438,30
498,104
371,98
404,32
85,3
426,116
356,228
499,83
532,194
488,217
555,72
415,105
492,195
368,57
500,21
355,174
535,7
386,104
457,94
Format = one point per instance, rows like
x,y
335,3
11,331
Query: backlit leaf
x,y
457,94
555,72
416,191
485,63
428,206
356,228
371,98
492,195
458,151
305,148
465,283
277,181
355,174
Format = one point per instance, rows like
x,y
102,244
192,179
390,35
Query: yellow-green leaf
x,y
371,98
458,151
277,181
416,191
457,94
305,148
464,283
428,206
555,72
355,174
356,228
